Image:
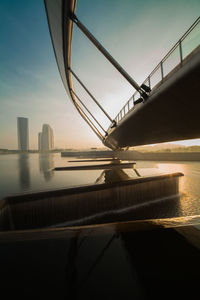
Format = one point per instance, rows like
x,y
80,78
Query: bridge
x,y
164,108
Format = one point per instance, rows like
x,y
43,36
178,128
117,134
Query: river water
x,y
61,263
21,173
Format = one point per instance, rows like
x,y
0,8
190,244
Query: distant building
x,y
40,141
45,138
23,133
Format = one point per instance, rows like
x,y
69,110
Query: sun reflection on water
x,y
170,168
189,188
174,168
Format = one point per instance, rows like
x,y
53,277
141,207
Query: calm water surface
x,y
33,172
88,266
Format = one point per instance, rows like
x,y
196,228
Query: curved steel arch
x,y
154,121
61,28
61,17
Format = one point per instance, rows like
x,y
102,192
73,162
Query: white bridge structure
x,y
166,107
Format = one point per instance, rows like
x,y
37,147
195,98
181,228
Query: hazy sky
x,y
138,33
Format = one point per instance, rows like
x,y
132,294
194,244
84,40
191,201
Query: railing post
x,y
149,81
180,50
161,67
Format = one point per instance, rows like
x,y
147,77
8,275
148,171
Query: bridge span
x,y
165,107
171,113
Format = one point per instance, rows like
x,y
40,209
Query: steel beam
x,y
88,111
90,123
93,98
107,54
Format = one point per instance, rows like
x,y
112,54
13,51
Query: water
x,y
33,172
189,184
61,264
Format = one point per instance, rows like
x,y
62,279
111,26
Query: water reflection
x,y
24,171
128,200
115,175
189,188
46,165
112,175
171,168
33,172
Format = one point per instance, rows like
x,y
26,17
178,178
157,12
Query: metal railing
x,y
187,43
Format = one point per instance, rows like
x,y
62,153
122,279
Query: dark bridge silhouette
x,y
164,108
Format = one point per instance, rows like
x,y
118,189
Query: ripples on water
x,y
33,172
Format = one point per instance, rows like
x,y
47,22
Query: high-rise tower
x,y
23,134
45,138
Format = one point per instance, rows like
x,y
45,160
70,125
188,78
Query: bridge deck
x,y
171,112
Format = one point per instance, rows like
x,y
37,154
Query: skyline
x,y
30,84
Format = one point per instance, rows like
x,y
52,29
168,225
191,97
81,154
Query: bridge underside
x,y
171,113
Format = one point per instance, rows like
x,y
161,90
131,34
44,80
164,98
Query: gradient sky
x,y
138,33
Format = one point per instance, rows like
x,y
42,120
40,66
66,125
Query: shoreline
x,y
123,155
135,155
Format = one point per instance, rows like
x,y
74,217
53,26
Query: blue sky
x,y
137,33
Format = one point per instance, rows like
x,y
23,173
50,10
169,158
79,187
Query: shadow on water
x,y
112,175
46,165
24,171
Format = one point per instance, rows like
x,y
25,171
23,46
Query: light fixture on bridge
x,y
139,100
146,88
114,124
